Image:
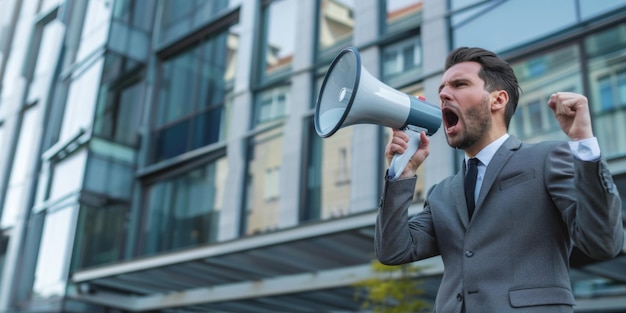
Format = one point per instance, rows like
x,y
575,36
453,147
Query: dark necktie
x,y
470,184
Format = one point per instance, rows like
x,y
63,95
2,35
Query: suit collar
x,y
486,154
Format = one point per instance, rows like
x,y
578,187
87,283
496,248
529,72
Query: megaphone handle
x,y
400,161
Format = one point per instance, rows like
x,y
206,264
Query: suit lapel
x,y
495,166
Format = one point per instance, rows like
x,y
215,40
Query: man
x,y
533,202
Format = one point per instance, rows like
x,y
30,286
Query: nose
x,y
444,94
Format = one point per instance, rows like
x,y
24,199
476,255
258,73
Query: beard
x,y
476,122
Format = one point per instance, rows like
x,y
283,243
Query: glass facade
x,y
191,98
183,211
160,155
181,17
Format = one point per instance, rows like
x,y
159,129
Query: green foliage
x,y
394,289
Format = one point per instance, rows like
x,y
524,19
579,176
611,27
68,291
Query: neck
x,y
485,141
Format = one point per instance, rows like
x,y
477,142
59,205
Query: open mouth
x,y
450,117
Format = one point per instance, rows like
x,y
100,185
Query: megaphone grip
x,y
400,161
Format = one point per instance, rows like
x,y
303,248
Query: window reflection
x,y
263,182
607,77
336,23
271,105
458,4
402,61
403,14
279,28
118,112
193,89
133,13
180,17
110,170
328,175
506,22
539,77
100,235
184,211
589,9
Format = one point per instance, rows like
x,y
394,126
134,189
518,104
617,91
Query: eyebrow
x,y
454,80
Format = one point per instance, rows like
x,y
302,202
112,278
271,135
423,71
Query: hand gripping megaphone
x,y
351,95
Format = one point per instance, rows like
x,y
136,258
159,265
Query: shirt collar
x,y
486,154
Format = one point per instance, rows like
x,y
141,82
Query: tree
x,y
393,289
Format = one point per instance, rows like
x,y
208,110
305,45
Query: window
x,y
131,26
402,61
180,17
502,19
118,112
279,26
272,183
263,182
134,13
539,77
100,235
110,170
590,9
272,104
327,178
607,78
402,14
193,90
335,28
183,211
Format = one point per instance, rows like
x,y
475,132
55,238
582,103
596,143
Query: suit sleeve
x,y
589,202
397,238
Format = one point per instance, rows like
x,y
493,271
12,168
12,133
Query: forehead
x,y
463,70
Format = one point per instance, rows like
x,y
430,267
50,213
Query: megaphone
x,y
351,95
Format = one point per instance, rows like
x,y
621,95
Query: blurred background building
x,y
159,155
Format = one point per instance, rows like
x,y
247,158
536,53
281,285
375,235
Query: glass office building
x,y
160,155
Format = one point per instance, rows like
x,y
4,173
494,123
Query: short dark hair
x,y
495,72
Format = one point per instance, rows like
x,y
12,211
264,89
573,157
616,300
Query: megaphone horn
x,y
351,95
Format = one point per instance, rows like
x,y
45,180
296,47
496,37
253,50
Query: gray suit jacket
x,y
536,202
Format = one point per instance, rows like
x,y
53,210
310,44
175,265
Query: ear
x,y
499,99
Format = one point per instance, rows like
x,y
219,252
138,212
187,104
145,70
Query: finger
x,y
400,134
562,104
552,102
424,140
567,106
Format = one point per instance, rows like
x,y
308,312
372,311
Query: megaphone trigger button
x,y
422,98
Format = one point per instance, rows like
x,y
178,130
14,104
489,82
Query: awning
x,y
309,268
